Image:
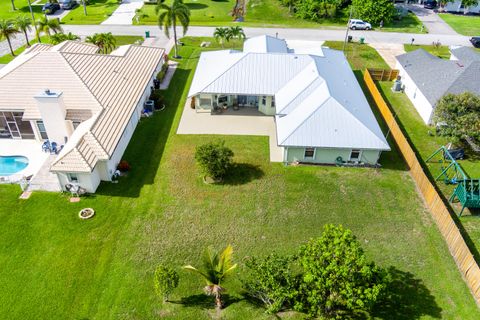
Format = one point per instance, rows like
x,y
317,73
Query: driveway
x,y
243,122
431,20
389,51
124,13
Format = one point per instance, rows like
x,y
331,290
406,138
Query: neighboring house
x,y
427,78
457,6
321,113
90,103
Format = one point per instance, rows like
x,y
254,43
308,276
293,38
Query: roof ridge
x,y
34,54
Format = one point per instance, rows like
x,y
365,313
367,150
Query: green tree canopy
x,y
168,17
374,11
215,159
8,31
165,281
458,116
105,42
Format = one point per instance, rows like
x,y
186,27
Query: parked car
x,y
356,24
67,4
475,41
430,4
50,8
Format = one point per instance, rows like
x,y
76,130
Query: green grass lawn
x,y
97,11
441,52
55,266
466,25
360,56
426,143
8,57
6,11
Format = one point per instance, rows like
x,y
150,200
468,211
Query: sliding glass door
x,y
12,126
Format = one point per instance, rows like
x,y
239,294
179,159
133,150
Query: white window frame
x,y
314,153
359,155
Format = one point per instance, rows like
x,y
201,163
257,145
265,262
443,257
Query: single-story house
x,y
88,103
457,6
321,113
427,78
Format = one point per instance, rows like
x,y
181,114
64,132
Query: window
x,y
72,177
42,130
309,152
76,123
264,100
273,102
206,102
222,99
355,155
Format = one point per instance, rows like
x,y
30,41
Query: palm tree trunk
x,y
218,301
174,24
10,45
26,38
84,6
13,5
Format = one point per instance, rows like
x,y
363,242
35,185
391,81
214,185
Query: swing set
x,y
467,190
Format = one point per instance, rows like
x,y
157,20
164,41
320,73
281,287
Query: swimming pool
x,y
12,164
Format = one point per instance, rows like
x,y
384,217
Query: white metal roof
x,y
265,44
319,102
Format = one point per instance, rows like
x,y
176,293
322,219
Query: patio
x,y
245,121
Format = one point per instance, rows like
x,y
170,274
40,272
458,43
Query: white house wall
x,y
88,181
423,106
329,156
456,7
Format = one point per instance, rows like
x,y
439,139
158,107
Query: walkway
x,y
44,179
125,13
431,20
246,121
389,51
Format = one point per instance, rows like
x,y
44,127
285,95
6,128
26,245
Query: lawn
x,y
426,143
6,11
441,52
97,12
8,57
55,266
360,56
466,25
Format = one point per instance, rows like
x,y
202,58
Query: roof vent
x,y
48,92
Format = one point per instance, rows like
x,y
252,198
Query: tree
x,y
24,24
221,35
458,116
168,17
46,26
105,42
8,31
216,267
316,9
165,281
235,32
272,281
336,275
60,37
374,11
215,159
13,5
443,3
468,3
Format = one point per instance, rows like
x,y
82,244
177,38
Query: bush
x,y
123,166
374,11
215,159
158,98
163,71
165,281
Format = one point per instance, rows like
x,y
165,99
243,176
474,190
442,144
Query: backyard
x,y
466,25
55,266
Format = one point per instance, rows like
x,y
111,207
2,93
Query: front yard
x,y
55,266
466,25
97,12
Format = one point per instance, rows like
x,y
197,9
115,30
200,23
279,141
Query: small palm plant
x,y
168,18
216,267
236,32
60,37
46,26
24,24
221,35
8,31
105,42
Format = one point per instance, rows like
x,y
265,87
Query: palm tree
x,y
60,37
105,42
13,5
216,267
7,31
48,25
221,34
24,24
168,18
236,32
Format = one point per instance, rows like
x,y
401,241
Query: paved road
x,y
293,34
431,20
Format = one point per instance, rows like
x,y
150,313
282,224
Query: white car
x,y
356,24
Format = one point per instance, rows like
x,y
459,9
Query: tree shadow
x,y
406,298
242,173
196,6
206,302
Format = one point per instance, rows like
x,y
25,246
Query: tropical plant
x,y
46,26
24,24
60,37
168,17
221,34
336,276
271,281
235,33
165,281
214,158
458,116
105,42
216,267
374,11
467,4
8,31
443,3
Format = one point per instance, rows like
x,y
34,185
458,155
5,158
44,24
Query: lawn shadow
x,y
242,173
206,302
406,298
196,6
146,148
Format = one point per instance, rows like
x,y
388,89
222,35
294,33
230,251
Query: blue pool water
x,y
12,164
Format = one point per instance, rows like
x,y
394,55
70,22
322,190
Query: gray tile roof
x,y
435,77
466,54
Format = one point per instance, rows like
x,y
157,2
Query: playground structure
x,y
467,190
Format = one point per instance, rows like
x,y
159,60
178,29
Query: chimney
x,y
52,109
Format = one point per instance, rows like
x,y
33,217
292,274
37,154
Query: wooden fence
x,y
383,75
456,244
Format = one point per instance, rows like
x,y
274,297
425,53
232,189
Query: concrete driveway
x,y
243,122
431,20
124,13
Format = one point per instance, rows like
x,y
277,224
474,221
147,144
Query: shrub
x,y
163,71
123,166
165,281
374,11
214,158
